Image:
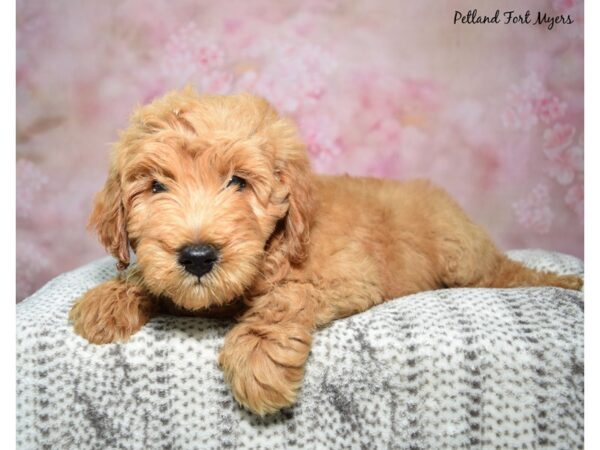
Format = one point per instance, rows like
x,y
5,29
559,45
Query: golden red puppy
x,y
215,196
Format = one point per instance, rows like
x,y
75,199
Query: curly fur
x,y
297,250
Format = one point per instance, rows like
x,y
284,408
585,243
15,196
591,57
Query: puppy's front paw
x,y
264,365
111,312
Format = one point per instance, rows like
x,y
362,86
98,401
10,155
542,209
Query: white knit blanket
x,y
446,369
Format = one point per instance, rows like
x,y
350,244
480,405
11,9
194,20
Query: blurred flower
x,y
289,72
566,164
556,138
520,116
323,140
533,211
529,102
191,56
550,108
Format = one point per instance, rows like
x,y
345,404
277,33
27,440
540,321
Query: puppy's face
x,y
200,213
198,186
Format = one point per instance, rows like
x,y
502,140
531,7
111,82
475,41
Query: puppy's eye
x,y
158,187
239,182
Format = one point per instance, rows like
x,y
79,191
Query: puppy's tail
x,y
509,273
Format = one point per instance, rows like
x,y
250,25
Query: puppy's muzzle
x,y
198,259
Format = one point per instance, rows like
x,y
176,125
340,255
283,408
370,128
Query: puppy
x,y
215,196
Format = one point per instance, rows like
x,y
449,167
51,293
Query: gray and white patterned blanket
x,y
455,368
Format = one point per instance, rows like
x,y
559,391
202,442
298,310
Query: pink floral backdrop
x,y
494,113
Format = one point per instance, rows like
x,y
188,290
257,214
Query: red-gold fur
x,y
298,250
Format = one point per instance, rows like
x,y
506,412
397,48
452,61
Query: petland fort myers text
x,y
539,18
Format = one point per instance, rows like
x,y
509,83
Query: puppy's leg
x,y
514,274
263,356
112,311
471,259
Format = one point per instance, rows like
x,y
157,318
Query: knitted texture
x,y
446,369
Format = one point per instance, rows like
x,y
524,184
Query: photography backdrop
x,y
492,112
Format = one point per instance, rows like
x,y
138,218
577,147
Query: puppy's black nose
x,y
198,259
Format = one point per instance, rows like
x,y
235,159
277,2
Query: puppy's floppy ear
x,y
294,171
109,219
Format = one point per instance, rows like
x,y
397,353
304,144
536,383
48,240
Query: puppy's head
x,y
200,187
